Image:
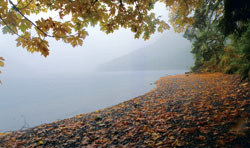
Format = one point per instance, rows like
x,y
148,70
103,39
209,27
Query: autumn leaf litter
x,y
194,110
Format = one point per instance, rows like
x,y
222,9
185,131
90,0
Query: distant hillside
x,y
169,52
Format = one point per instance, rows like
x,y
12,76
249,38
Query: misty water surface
x,y
46,99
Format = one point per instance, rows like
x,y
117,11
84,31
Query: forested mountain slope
x,y
166,53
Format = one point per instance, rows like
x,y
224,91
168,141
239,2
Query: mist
x,y
98,48
38,90
63,59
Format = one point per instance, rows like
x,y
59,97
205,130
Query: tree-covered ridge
x,y
221,40
218,29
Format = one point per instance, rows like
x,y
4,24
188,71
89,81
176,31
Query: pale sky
x,y
64,59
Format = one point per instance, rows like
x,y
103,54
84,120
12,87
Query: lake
x,y
28,102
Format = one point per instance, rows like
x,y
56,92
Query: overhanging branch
x,y
39,29
12,29
25,5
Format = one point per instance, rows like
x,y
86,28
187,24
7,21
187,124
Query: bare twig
x,y
25,125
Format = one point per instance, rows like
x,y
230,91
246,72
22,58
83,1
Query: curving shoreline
x,y
194,110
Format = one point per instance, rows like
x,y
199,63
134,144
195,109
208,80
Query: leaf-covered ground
x,y
196,110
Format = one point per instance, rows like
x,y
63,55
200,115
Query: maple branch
x,y
12,29
138,10
121,4
45,34
93,3
18,2
15,8
185,1
25,5
42,40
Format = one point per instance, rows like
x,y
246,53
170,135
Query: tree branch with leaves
x,y
1,65
110,15
201,20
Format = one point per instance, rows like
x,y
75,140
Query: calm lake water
x,y
33,101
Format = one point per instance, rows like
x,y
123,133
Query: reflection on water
x,y
30,102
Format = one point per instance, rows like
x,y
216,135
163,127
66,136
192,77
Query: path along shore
x,y
192,110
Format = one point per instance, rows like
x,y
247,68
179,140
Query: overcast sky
x,y
64,59
46,89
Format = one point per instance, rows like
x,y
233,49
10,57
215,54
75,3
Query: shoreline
x,y
65,97
180,105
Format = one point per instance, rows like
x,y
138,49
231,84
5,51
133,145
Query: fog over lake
x,y
38,90
43,100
